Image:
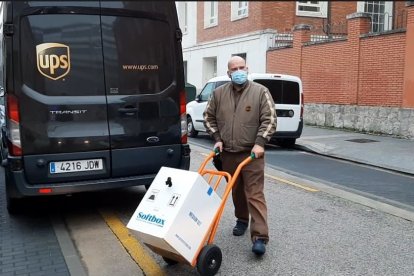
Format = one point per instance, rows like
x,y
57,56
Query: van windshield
x,y
283,92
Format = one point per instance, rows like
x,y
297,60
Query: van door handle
x,y
130,111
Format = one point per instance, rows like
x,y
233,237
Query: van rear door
x,y
286,95
143,81
60,89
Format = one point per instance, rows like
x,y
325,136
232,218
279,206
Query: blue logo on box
x,y
152,219
210,191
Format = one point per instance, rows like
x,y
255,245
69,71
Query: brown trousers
x,y
248,196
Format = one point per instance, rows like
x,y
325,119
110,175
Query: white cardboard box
x,y
176,219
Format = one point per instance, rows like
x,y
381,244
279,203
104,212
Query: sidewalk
x,y
381,151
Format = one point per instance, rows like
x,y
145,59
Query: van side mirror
x,y
198,98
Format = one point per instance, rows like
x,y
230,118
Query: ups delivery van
x,y
94,94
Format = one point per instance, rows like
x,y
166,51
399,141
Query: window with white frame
x,y
182,8
312,8
210,14
242,55
381,14
239,9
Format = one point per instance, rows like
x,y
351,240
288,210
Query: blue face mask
x,y
239,77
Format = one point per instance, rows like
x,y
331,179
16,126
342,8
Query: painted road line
x,y
137,252
283,180
309,189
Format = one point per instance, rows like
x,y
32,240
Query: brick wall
x,y
278,15
381,70
225,26
363,82
326,79
340,9
284,61
362,71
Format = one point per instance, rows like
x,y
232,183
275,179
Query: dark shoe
x,y
240,228
259,247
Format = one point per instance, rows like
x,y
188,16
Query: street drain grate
x,y
362,140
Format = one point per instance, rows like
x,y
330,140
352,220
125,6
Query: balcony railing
x,y
339,30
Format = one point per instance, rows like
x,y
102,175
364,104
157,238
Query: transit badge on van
x,y
53,60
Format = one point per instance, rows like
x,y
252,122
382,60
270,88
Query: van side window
x,y
283,92
206,92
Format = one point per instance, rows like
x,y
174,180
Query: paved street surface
x,y
314,233
28,244
316,229
382,151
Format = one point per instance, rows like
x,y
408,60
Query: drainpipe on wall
x,y
328,15
408,90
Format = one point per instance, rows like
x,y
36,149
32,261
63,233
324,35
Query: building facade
x,y
345,67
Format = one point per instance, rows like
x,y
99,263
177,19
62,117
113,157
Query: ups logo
x,y
53,60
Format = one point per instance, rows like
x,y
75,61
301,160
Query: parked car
x,y
87,107
287,94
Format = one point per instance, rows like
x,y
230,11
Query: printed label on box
x,y
173,200
153,195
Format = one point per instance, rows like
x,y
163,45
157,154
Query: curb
x,y
322,150
67,247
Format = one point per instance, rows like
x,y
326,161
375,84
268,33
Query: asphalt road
x,y
312,232
378,184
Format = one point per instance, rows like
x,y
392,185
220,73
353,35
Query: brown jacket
x,y
252,121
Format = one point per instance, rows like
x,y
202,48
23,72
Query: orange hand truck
x,y
209,256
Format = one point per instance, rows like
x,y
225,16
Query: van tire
x,y
190,128
14,205
286,142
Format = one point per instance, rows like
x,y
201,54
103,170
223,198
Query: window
x,y
182,8
205,94
87,73
209,68
185,70
312,8
210,14
239,9
243,55
283,92
156,56
208,89
381,14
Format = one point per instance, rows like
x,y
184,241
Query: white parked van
x,y
287,94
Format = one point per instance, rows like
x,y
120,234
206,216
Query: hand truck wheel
x,y
209,260
169,261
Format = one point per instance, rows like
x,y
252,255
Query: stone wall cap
x,y
409,3
302,27
358,15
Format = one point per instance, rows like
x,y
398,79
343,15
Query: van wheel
x,y
14,205
190,128
286,142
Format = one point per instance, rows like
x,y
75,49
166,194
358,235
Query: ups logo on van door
x,y
53,60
